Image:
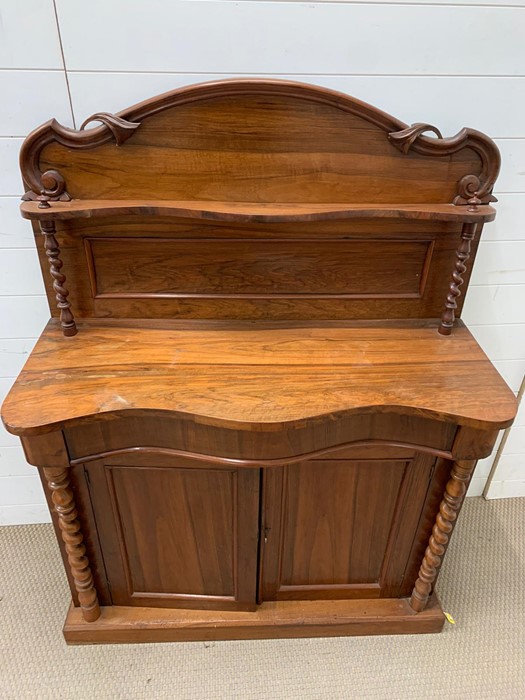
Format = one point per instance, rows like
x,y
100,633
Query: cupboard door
x,y
341,528
174,535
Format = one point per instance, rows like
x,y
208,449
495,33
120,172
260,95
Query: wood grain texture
x,y
156,267
253,212
257,153
124,268
256,140
273,620
256,379
346,435
174,536
338,528
326,556
258,407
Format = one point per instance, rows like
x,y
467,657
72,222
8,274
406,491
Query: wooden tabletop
x,y
255,378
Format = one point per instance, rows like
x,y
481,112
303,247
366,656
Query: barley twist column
x,y
64,504
445,521
462,255
67,320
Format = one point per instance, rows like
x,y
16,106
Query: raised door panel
x,y
166,268
175,536
341,528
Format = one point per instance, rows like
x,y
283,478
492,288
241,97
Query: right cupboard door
x,y
346,528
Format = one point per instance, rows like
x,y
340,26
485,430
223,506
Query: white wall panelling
x,y
13,354
495,303
29,35
22,316
520,418
508,225
507,489
516,441
15,232
511,467
25,514
468,71
512,372
410,98
476,486
7,440
499,262
495,3
32,97
10,180
508,477
13,462
12,260
501,342
21,490
512,175
280,38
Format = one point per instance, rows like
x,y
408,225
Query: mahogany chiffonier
x,y
255,409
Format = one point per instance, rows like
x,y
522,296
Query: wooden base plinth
x,y
284,619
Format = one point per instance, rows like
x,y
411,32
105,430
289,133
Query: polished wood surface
x,y
256,409
254,212
449,509
198,441
249,165
258,141
145,267
318,542
272,620
448,317
258,269
52,251
65,508
248,378
176,536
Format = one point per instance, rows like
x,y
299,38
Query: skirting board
x,y
272,620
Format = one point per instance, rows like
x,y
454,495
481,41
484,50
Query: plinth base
x,y
272,620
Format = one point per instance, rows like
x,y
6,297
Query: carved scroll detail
x,y
462,255
53,188
120,128
478,186
405,138
64,504
51,183
67,320
449,509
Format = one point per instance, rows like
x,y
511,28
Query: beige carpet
x,y
481,656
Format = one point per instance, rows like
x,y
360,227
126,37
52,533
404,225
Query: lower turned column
x,y
64,504
449,508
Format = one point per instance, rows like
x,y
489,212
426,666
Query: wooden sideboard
x,y
255,409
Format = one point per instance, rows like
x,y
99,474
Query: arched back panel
x,y
257,200
259,141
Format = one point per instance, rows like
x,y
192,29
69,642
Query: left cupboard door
x,y
176,534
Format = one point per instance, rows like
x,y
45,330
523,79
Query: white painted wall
x,y
452,64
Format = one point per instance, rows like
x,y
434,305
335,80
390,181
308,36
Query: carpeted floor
x,y
481,656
